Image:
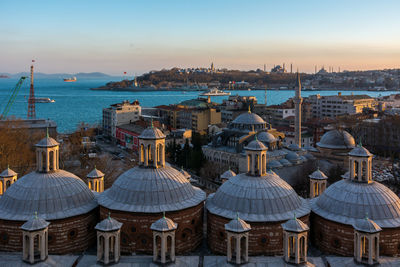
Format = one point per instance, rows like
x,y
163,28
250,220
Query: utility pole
x,y
31,99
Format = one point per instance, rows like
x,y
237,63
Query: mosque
x,y
154,209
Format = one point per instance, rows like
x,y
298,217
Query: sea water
x,y
75,102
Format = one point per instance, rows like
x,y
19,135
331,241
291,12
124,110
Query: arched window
x,y
44,161
141,153
150,156
51,160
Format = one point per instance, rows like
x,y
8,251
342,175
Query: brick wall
x,y
136,235
70,235
336,238
265,238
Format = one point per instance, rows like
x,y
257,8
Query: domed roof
x,y
185,173
228,174
346,201
285,162
34,224
294,147
237,225
337,139
8,173
164,225
152,133
366,225
248,118
360,151
108,224
274,164
257,199
47,142
95,173
151,190
255,145
318,175
293,157
295,225
266,137
53,195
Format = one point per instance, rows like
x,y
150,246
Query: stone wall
x,y
137,237
336,238
265,238
70,235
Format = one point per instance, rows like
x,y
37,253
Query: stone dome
x,y
347,201
54,195
228,174
248,118
8,173
237,225
257,199
360,151
164,225
266,137
108,225
366,225
318,175
152,133
274,164
95,173
285,162
35,224
47,142
255,145
151,190
293,157
337,139
295,225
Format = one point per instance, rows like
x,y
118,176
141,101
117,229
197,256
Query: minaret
x,y
297,103
31,99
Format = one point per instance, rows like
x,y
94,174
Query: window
x,y
73,233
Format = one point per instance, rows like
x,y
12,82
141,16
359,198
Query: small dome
x,y
285,162
294,147
367,226
237,225
257,199
274,164
95,173
54,195
8,173
256,145
164,225
318,175
346,201
35,224
47,142
152,133
151,190
266,137
293,157
228,174
360,151
336,139
248,118
108,224
309,156
295,225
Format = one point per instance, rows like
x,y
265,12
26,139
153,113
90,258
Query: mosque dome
x,y
53,195
318,175
266,137
164,225
228,174
337,139
274,164
347,201
256,145
293,157
265,198
360,151
248,118
151,190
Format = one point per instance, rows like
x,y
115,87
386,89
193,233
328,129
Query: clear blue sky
x,y
138,36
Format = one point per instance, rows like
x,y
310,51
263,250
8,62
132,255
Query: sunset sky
x,y
138,36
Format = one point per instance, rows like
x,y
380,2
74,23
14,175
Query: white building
x,y
119,114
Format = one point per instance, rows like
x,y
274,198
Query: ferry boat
x,y
215,92
44,100
73,79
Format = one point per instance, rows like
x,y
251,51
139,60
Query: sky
x,y
138,36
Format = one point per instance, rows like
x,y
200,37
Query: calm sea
x,y
75,102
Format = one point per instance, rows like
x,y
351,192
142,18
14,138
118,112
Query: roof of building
x,y
266,137
285,162
34,224
257,199
108,224
185,173
337,139
95,173
360,151
248,118
47,142
366,225
152,133
274,164
293,157
295,225
54,195
354,97
318,175
228,174
151,190
237,225
8,173
256,146
347,201
164,225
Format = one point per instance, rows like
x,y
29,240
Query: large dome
x,y
248,118
257,199
336,139
151,190
53,195
346,201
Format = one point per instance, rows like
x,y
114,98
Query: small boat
x,y
44,100
73,79
215,92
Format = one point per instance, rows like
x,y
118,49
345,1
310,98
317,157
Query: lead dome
x,y
337,139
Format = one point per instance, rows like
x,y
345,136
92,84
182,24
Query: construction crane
x,y
11,100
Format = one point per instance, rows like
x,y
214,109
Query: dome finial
x,y
109,215
294,216
256,137
237,216
47,132
36,215
366,215
163,214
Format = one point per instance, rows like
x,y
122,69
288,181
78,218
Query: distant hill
x,y
80,75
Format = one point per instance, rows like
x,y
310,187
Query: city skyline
x,y
141,36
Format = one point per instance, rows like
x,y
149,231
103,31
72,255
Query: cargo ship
x,y
73,79
44,100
